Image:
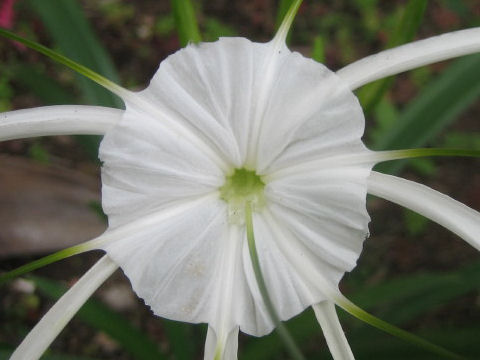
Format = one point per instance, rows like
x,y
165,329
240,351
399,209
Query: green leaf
x,y
214,29
416,224
5,89
62,59
182,339
38,153
409,23
470,140
369,95
74,37
186,22
372,344
423,166
402,299
33,78
164,25
391,329
386,115
318,49
102,318
438,105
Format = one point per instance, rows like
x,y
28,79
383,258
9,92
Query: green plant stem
x,y
280,327
92,75
426,152
364,316
287,21
36,264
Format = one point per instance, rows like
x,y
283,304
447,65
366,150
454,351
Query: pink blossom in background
x,y
7,14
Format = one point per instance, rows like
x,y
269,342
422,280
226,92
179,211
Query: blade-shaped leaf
x,y
178,333
439,104
372,344
405,31
185,21
75,38
45,88
402,299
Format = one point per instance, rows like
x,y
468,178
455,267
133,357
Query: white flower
x,y
224,127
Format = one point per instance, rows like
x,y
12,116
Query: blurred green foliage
x,y
186,21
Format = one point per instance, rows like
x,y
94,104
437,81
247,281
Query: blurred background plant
x,y
412,272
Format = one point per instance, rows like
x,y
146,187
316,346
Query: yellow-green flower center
x,y
239,188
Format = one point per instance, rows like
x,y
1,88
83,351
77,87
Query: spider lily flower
x,y
234,141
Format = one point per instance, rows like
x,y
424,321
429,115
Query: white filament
x,y
455,216
58,120
42,335
411,56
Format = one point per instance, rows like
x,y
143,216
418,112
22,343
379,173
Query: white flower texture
x,y
217,115
215,95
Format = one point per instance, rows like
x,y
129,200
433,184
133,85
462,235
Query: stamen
x,y
239,188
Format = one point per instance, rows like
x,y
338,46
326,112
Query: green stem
x,y
92,75
361,314
282,32
36,264
280,327
423,152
